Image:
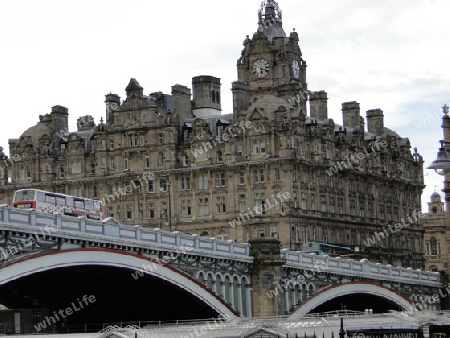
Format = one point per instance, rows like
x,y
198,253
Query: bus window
x,y
24,195
50,198
79,204
41,196
69,201
97,205
89,205
60,200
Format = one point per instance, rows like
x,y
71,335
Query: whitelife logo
x,y
49,320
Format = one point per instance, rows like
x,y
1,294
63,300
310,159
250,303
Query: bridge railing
x,y
362,268
47,223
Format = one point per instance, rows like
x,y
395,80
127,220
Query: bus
x,y
326,249
56,203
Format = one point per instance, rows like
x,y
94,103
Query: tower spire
x,y
269,20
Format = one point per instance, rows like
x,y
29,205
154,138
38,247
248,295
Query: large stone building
x,y
275,166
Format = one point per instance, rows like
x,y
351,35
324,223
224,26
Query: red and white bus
x,y
55,203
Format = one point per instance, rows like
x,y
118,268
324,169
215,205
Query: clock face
x,y
296,69
261,68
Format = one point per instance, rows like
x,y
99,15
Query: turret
x,y
206,96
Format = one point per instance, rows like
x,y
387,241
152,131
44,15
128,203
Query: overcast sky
x,y
388,54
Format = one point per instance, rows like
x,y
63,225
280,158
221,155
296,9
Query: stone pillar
x,y
267,297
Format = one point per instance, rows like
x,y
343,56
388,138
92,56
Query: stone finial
x,y
445,109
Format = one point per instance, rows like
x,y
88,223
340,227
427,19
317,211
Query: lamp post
x,y
442,167
441,164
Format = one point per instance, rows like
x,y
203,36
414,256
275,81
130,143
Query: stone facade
x,y
265,169
435,235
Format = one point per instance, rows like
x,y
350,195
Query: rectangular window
x,y
239,150
37,315
160,138
259,231
151,186
258,175
142,140
276,174
220,179
277,200
260,204
304,201
241,201
103,142
323,203
160,158
151,210
146,162
103,162
241,177
185,183
274,231
352,206
162,184
203,206
201,154
111,211
220,205
93,191
111,163
129,212
259,147
164,209
186,208
76,167
125,162
111,144
202,182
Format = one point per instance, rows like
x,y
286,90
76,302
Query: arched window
x,y
204,234
433,268
433,247
222,235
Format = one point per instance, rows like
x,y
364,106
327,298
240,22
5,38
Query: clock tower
x,y
271,63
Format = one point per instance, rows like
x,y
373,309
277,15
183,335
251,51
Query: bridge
x,y
53,262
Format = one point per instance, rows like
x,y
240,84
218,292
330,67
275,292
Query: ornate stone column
x,y
267,297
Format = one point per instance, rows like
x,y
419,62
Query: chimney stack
x,y
318,105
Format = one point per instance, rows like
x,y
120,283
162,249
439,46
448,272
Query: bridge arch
x,y
112,258
350,288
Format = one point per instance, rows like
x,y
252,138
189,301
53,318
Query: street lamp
x,y
441,164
